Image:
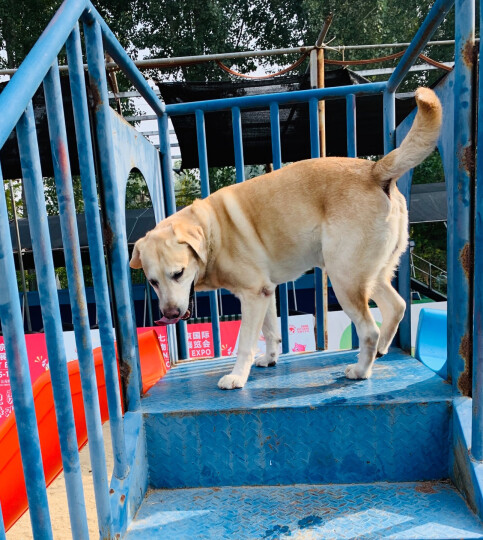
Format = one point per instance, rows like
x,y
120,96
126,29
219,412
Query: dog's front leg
x,y
253,308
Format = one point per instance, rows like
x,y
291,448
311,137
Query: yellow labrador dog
x,y
342,214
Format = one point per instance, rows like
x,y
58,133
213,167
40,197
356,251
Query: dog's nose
x,y
171,313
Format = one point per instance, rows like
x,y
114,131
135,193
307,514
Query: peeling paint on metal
x,y
465,379
466,258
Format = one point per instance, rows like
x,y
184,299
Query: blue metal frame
x,y
34,195
477,394
41,65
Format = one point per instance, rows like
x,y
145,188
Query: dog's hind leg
x,y
392,308
253,307
272,337
354,301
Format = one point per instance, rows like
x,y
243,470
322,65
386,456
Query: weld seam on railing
x,y
115,227
277,164
44,266
96,249
170,201
77,295
205,192
23,85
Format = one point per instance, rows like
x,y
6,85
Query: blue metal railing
x,y
17,112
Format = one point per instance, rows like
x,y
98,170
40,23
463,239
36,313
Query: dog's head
x,y
171,256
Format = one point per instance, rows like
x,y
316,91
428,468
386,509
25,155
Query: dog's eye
x,y
153,282
177,275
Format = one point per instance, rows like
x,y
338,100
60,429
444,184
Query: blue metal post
x,y
115,228
283,98
2,526
77,294
318,275
352,152
238,144
170,200
44,266
460,193
205,191
477,395
96,249
277,164
23,400
115,49
431,22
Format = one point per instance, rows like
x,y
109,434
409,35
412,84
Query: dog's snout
x,y
171,313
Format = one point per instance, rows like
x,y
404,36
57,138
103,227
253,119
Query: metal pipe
x,y
114,48
20,382
352,152
318,277
96,248
198,59
170,204
25,302
205,191
477,395
114,226
282,98
44,266
277,164
2,526
77,295
431,22
460,190
30,74
238,144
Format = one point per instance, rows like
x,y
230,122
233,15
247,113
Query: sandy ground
x,y
56,493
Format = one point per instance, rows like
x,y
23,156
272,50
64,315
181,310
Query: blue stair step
x,y
362,511
301,422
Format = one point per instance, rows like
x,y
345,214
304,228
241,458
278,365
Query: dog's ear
x,y
192,235
135,261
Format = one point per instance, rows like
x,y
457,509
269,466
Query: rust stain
x,y
96,96
111,491
425,487
465,351
125,370
108,235
466,258
469,53
123,498
63,156
468,159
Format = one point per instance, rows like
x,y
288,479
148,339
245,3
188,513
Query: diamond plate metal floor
x,y
299,422
410,510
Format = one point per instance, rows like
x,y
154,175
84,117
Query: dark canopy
x,y
294,120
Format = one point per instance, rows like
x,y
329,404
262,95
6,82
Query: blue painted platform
x,y
301,422
368,511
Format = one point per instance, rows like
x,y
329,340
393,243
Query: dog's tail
x,y
418,144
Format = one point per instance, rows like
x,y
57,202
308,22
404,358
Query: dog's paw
x,y
229,382
355,371
266,360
